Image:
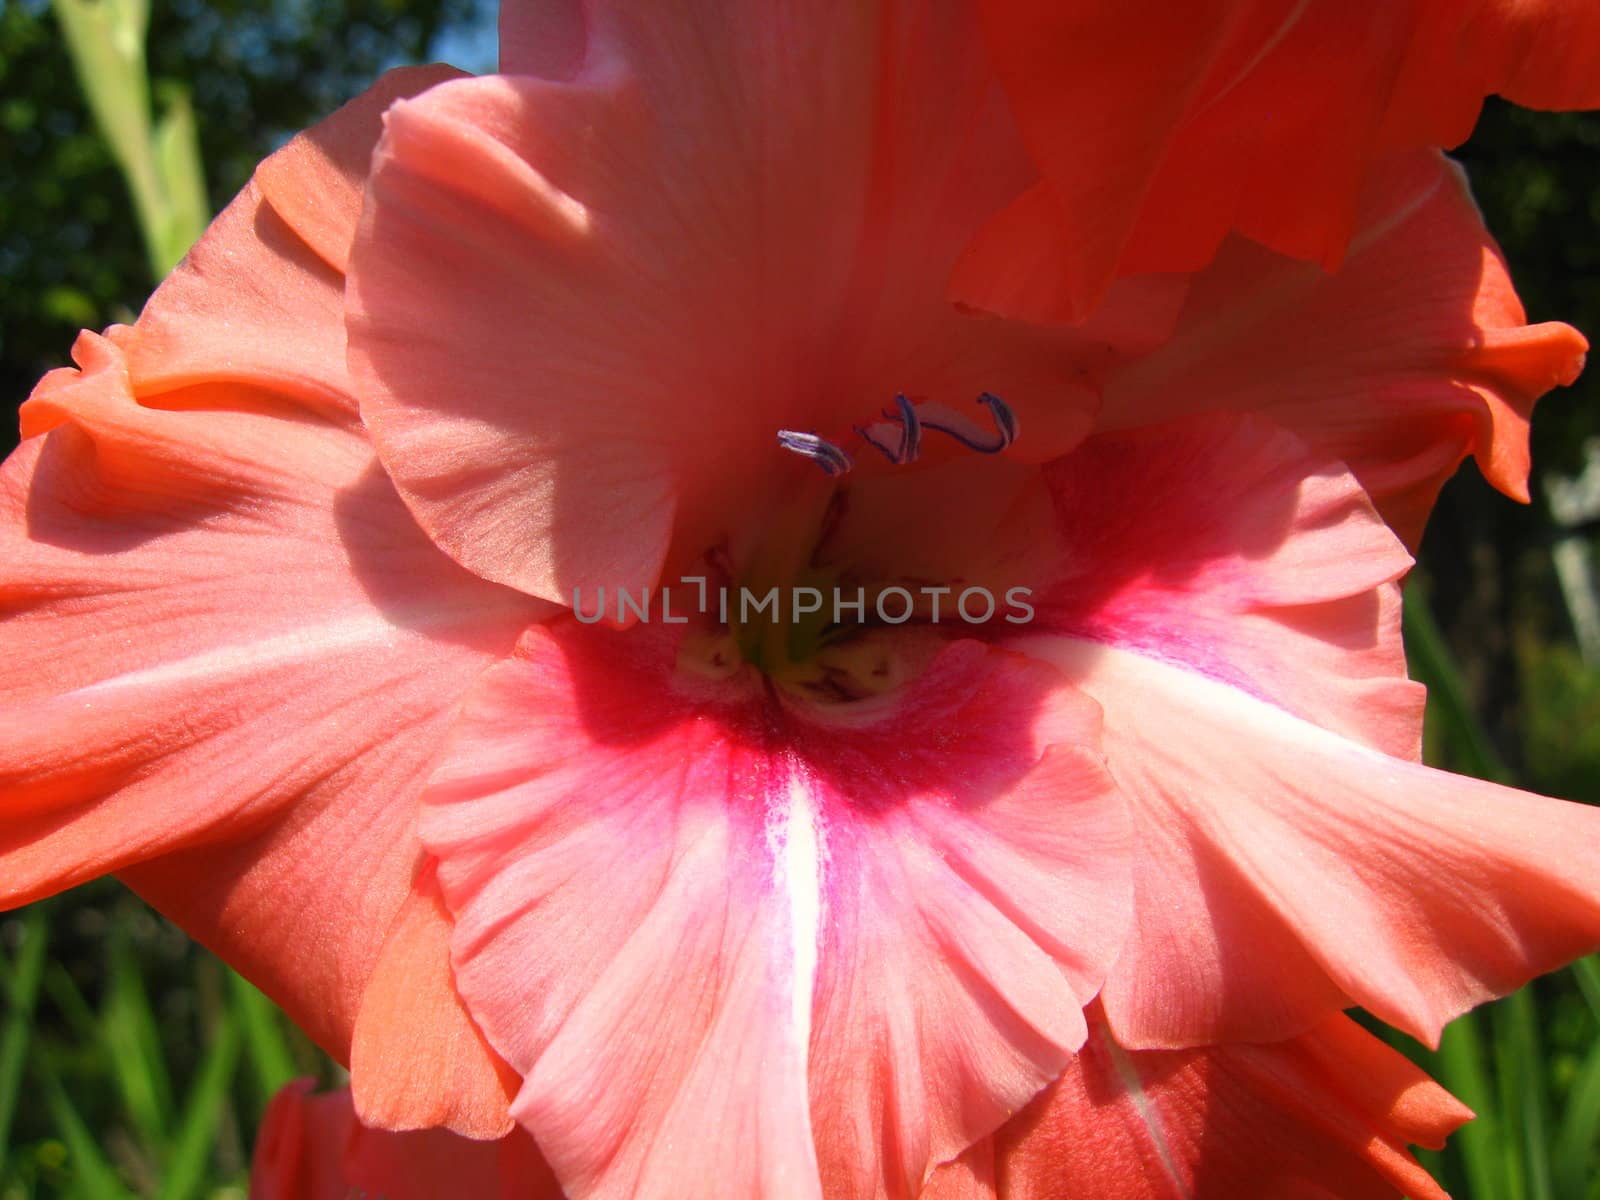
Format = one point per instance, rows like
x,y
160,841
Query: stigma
x,y
898,436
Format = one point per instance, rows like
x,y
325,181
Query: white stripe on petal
x,y
797,846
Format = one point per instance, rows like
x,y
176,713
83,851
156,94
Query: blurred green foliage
x,y
132,1064
1528,1065
256,71
159,154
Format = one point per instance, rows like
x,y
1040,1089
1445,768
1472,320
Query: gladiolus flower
x,y
1154,140
803,905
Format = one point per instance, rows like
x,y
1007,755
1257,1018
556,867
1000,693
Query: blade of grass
x,y
271,1059
1463,1069
1508,1152
1432,664
22,994
128,1029
93,1174
1519,1062
1573,1157
202,1113
69,1001
1587,972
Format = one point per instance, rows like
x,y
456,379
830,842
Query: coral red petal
x,y
970,1177
1539,53
299,1152
313,1147
1550,50
259,300
577,327
1258,117
315,183
856,960
1053,253
1410,357
222,628
417,1060
251,306
1326,1116
549,38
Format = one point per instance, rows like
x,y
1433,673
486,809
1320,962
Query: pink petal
x,y
1286,871
1226,601
581,311
1222,543
224,637
723,939
314,1148
259,300
1413,355
1326,1116
975,521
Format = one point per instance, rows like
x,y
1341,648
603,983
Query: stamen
x,y
907,439
825,454
967,431
898,437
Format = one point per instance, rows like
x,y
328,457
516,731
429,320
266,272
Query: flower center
x,y
820,621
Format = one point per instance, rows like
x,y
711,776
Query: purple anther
x,y
967,431
825,454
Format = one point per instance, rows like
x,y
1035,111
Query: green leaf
x,y
1448,706
106,41
202,1113
94,1176
160,161
1587,972
271,1059
1520,1064
1462,1068
133,1044
21,995
177,155
1573,1156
